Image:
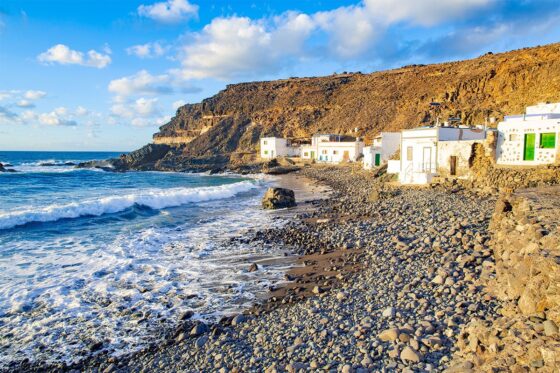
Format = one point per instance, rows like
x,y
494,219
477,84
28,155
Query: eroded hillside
x,y
226,127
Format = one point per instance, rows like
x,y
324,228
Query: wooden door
x,y
377,159
346,156
453,165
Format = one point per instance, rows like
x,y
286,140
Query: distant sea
x,y
89,257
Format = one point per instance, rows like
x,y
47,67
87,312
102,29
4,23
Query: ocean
x,y
94,258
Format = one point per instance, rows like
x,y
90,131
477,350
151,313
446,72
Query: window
x,y
324,152
409,153
513,137
548,140
266,152
335,152
306,154
265,142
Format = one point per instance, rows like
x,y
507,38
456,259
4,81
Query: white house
x,y
419,150
383,147
333,149
530,139
272,147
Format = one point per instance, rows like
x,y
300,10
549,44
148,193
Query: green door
x,y
312,155
377,159
529,150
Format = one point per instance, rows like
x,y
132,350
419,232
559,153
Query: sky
x,y
104,74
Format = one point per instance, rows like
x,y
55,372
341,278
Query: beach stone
x,y
410,354
200,342
239,319
278,198
199,329
253,267
389,335
389,312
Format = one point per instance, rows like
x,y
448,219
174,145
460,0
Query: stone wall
x,y
526,278
485,174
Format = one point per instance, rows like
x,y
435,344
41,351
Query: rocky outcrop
x,y
526,278
3,169
278,198
226,127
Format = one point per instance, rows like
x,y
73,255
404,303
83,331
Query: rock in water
x,y
278,198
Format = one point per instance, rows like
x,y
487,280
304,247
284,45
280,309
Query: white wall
x,y
333,152
423,142
511,141
272,147
456,134
420,162
369,156
543,108
390,143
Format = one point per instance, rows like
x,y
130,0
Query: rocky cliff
x,y
224,129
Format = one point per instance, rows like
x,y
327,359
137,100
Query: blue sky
x,y
104,75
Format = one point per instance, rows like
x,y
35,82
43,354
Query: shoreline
x,y
329,270
309,194
350,243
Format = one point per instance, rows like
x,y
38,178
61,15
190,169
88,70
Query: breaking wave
x,y
152,198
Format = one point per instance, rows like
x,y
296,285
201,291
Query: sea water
x,y
94,258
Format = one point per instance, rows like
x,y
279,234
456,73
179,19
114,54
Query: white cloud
x,y
170,11
140,108
234,46
422,12
81,111
34,95
63,55
54,118
57,117
140,83
238,46
25,104
148,50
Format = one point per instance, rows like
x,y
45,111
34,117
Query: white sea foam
x,y
152,198
125,291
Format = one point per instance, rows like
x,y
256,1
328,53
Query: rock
x,y
110,368
199,329
341,296
550,328
439,280
389,312
180,337
410,354
187,315
239,319
200,342
278,198
253,267
317,290
389,334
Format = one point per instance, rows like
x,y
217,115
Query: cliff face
x,y
227,126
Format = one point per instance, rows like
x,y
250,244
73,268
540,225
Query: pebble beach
x,y
387,278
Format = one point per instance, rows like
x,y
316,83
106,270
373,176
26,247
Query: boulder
x,y
278,198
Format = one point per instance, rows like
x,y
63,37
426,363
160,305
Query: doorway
x,y
529,148
427,159
346,156
377,159
453,165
